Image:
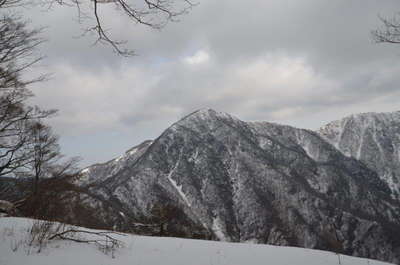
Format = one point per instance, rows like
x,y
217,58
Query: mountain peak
x,y
208,113
204,116
203,112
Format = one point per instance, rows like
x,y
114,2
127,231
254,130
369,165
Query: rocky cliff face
x,y
261,182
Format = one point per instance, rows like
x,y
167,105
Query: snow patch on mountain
x,y
218,229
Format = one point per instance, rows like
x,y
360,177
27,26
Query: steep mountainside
x,y
252,181
373,138
100,172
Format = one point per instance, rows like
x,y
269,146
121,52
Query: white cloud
x,y
200,57
259,60
89,101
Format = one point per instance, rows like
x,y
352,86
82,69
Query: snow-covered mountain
x,y
16,249
373,138
261,182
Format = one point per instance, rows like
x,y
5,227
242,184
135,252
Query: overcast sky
x,y
302,63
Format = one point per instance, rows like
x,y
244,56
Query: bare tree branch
x,y
154,14
390,31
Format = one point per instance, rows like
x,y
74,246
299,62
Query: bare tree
x,y
15,137
51,177
54,198
17,53
44,151
28,147
18,120
390,31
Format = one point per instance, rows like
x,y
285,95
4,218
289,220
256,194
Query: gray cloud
x,y
297,62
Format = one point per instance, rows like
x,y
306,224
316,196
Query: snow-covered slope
x,y
139,250
373,138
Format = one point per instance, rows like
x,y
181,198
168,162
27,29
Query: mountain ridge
x,y
374,139
255,181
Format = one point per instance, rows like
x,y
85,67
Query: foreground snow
x,y
140,250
